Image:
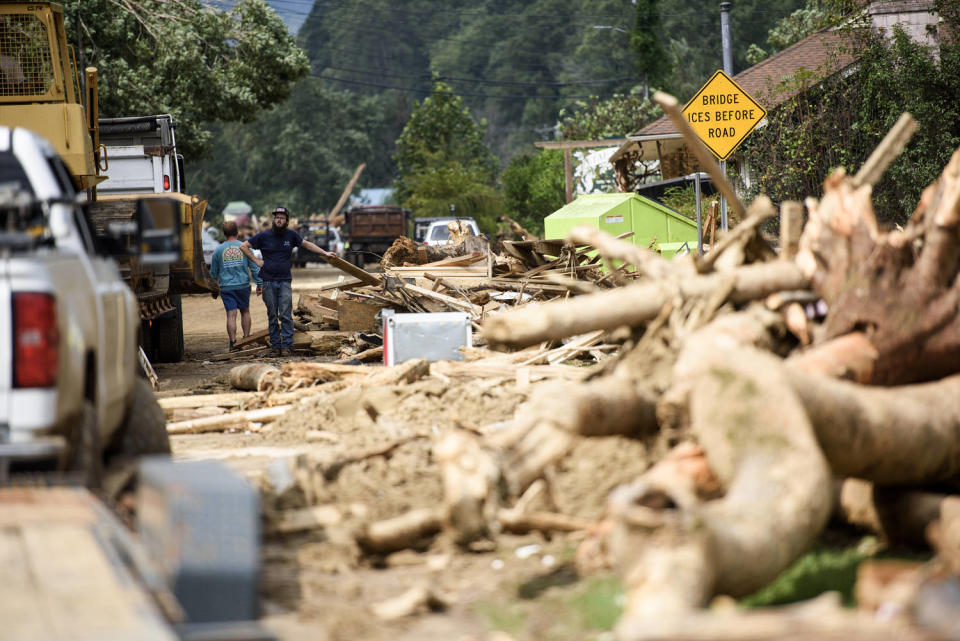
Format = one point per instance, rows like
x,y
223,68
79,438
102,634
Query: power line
x,y
484,81
458,93
458,12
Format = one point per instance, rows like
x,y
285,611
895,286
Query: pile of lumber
x,y
468,277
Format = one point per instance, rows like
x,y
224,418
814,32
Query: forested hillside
x,y
515,64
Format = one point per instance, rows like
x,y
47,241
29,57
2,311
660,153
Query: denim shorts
x,y
235,298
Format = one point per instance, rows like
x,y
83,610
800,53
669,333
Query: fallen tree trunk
x,y
633,304
906,435
901,285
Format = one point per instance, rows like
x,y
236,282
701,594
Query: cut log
x,y
409,530
255,376
192,413
233,399
410,602
325,371
546,522
303,519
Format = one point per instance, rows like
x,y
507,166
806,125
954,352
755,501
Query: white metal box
x,y
436,337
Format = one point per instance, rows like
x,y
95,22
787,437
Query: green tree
x,y
442,161
300,154
198,63
647,44
610,118
840,121
533,187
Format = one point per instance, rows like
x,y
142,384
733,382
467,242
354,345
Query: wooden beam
x,y
333,218
580,144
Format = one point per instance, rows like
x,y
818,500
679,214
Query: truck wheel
x,y
167,335
86,458
144,429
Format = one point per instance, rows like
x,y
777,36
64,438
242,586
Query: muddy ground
x,y
319,585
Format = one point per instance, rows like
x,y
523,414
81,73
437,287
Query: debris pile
x,y
750,379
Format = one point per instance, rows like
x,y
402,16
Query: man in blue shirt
x,y
276,245
234,271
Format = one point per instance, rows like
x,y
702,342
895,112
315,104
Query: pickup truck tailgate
x,y
6,344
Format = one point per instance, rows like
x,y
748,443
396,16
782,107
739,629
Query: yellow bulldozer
x,y
41,90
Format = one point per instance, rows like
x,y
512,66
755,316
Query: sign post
x,y
722,115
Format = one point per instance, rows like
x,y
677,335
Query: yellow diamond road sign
x,y
722,114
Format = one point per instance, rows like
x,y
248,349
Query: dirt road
x,y
205,335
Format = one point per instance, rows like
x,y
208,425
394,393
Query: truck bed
x,y
63,576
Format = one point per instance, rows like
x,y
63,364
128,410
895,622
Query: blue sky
x,y
293,12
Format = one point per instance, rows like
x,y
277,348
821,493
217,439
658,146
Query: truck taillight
x,y
166,183
35,340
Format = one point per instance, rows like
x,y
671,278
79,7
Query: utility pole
x,y
727,69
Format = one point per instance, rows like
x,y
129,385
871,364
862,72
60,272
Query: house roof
x,y
818,53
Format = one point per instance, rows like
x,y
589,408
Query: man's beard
x,y
277,229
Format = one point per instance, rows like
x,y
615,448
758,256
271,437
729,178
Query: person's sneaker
x,y
233,346
273,352
284,352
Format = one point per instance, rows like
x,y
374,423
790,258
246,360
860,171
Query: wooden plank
x,y
347,284
256,337
227,421
311,304
443,298
358,315
360,274
442,268
232,356
60,581
229,400
454,261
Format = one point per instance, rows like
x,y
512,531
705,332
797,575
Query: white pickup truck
x,y
70,394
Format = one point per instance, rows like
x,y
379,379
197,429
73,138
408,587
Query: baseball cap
x,y
281,210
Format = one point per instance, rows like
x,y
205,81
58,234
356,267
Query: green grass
x,y
600,603
548,609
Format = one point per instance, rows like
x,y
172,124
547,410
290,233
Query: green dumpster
x,y
653,225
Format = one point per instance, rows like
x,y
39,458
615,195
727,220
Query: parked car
x,y
210,244
437,232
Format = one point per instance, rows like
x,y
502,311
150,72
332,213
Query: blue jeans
x,y
278,297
